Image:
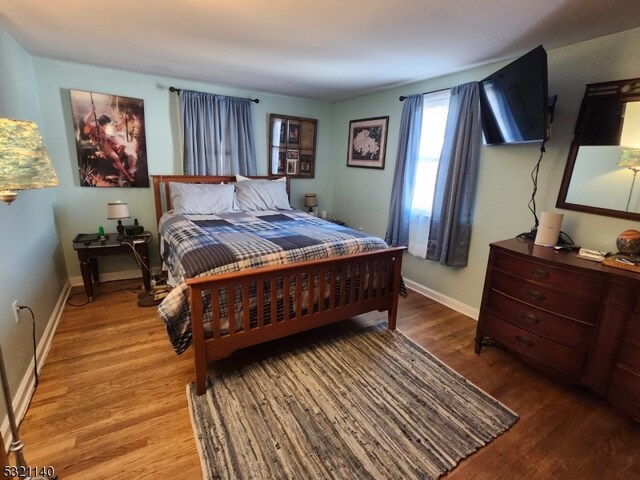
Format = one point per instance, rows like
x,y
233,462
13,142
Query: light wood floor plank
x,y
111,402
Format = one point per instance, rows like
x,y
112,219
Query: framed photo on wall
x,y
367,142
109,133
292,146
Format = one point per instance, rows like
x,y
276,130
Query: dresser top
x,y
550,255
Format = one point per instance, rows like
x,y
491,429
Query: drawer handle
x,y
540,273
524,341
535,295
527,317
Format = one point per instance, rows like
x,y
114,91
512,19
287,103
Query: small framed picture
x,y
278,160
306,163
292,167
367,142
282,162
293,133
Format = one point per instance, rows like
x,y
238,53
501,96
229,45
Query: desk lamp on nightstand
x,y
24,165
118,211
310,200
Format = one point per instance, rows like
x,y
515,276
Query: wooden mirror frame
x,y
596,93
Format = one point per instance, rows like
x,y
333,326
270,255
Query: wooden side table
x,y
89,252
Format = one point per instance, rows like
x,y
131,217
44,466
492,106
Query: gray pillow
x,y
201,198
256,195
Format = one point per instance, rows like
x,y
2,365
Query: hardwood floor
x,y
111,401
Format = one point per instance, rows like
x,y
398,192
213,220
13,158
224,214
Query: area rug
x,y
367,404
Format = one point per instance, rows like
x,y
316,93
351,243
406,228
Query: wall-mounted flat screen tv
x,y
514,101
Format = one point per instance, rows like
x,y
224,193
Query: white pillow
x,y
255,195
201,198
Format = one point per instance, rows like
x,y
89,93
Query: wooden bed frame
x,y
375,284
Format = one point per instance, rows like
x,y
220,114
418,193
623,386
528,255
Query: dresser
x,y
575,320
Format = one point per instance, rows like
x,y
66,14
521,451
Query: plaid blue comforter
x,y
199,245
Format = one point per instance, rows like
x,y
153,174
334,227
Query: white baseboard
x,y
22,396
443,299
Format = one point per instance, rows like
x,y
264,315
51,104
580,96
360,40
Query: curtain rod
x,y
177,90
402,97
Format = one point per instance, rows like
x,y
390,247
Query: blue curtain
x,y
404,174
450,230
218,134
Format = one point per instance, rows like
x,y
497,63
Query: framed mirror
x,y
604,158
292,146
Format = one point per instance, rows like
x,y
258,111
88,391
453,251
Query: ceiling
x,y
325,49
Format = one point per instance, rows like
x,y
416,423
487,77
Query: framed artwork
x,y
292,145
109,133
367,142
292,166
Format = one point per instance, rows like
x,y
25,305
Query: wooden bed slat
x,y
383,266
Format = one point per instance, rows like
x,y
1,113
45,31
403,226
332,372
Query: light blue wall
x,y
32,266
504,184
83,209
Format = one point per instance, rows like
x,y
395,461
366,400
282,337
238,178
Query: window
x,y
434,180
434,121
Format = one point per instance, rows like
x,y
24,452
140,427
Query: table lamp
x,y
118,211
310,200
24,163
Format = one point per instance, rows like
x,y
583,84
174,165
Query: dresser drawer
x,y
633,328
568,332
630,356
566,280
547,298
626,384
566,360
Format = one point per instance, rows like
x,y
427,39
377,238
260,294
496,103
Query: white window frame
x,y
434,121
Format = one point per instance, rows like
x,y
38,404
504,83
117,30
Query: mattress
x,y
202,245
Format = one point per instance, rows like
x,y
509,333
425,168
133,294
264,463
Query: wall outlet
x,y
16,309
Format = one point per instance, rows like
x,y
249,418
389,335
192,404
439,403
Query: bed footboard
x,y
273,302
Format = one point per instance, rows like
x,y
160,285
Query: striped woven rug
x,y
367,404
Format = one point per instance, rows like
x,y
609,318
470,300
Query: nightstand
x,y
90,251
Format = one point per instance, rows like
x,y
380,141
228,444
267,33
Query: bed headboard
x,y
162,198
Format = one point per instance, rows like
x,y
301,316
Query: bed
x,y
248,269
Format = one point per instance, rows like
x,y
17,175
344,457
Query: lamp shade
x,y
630,158
117,210
310,200
24,163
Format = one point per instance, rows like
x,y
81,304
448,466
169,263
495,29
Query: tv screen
x,y
514,101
